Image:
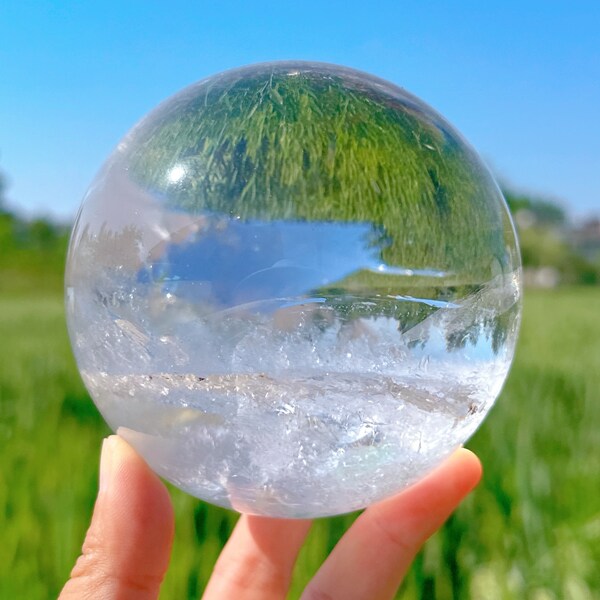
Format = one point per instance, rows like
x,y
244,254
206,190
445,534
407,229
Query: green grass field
x,y
530,531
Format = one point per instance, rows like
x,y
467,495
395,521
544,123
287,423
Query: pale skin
x,y
127,547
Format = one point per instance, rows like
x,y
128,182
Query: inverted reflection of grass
x,y
321,147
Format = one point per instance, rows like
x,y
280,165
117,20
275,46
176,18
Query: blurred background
x,y
519,80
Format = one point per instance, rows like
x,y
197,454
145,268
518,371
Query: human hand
x,y
127,547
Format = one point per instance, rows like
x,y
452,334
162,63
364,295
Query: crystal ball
x,y
294,289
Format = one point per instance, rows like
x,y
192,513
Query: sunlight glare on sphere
x,y
294,289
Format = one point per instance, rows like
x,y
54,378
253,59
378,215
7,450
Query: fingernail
x,y
106,460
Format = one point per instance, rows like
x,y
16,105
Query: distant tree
x,y
32,252
7,220
2,193
547,240
543,212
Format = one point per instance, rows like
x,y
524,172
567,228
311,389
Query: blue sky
x,y
520,80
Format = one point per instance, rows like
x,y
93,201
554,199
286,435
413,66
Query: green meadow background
x,y
530,531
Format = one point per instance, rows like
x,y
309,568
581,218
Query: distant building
x,y
586,239
541,277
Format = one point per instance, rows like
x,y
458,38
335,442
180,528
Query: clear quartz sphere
x,y
294,289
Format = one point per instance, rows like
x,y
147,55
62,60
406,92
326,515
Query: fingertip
x,y
124,471
138,496
106,463
466,454
127,548
470,465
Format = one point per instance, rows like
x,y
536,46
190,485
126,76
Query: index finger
x,y
372,558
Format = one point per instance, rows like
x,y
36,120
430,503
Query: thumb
x,y
127,547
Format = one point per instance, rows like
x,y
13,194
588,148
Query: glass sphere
x,y
294,289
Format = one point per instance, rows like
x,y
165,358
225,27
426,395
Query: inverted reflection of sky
x,y
246,261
